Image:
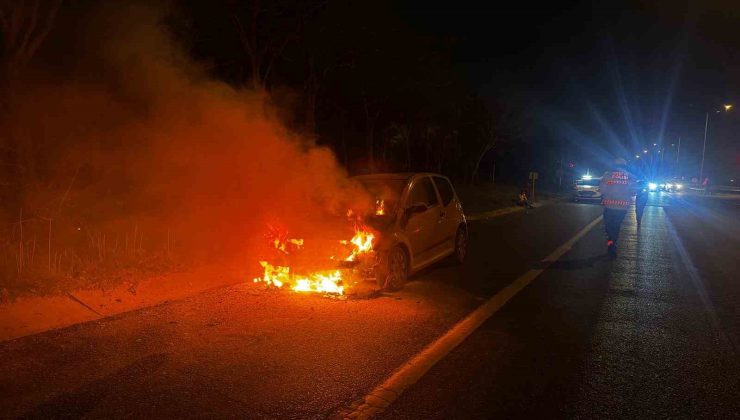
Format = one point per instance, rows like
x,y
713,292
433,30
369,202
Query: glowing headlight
x,y
679,186
652,186
669,186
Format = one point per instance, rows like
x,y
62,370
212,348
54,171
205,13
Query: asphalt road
x,y
653,333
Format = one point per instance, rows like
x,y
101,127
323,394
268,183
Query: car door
x,y
422,227
449,215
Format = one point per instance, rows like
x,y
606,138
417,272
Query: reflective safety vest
x,y
617,188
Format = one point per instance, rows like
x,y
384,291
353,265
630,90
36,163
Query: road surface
x,y
654,333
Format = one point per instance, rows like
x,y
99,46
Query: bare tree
x,y
312,88
23,25
399,134
265,29
491,132
262,49
370,119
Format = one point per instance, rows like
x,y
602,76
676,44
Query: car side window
x,y
423,192
445,190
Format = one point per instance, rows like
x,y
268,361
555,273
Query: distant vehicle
x,y
420,221
666,185
672,185
586,189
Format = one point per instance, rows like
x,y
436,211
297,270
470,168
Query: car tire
x,y
461,245
396,270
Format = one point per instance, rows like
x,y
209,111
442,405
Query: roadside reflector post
x,y
533,177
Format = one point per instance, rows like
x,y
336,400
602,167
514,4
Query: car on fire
x,y
419,220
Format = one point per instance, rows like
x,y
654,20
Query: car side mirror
x,y
411,210
416,208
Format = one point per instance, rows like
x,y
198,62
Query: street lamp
x,y
727,108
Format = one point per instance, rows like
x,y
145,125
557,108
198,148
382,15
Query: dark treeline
x,y
358,78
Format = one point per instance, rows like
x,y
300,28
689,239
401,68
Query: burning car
x,y
418,219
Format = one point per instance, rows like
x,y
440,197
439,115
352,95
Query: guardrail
x,y
718,189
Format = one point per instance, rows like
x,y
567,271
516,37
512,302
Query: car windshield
x,y
589,182
388,190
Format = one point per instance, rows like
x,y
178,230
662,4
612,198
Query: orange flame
x,y
363,243
274,276
281,242
321,282
379,207
330,282
318,282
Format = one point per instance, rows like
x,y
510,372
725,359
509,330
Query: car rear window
x,y
445,190
423,192
590,182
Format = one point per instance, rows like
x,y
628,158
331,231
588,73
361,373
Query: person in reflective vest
x,y
617,188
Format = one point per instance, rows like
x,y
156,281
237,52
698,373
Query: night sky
x,y
603,80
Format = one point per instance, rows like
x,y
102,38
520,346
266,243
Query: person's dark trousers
x,y
639,209
613,221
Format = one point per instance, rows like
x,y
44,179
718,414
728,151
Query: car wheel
x,y
461,245
396,270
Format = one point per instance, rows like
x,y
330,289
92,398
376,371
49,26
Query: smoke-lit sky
x,y
607,78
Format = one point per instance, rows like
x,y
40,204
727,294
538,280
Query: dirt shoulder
x,y
33,314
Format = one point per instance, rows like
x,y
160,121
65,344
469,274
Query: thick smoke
x,y
138,134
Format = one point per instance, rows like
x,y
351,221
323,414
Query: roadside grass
x,y
42,258
480,198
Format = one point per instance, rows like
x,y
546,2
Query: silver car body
x,y
428,234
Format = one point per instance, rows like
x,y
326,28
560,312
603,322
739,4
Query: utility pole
x,y
678,153
703,150
560,174
727,108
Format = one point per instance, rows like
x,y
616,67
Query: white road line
x,y
410,372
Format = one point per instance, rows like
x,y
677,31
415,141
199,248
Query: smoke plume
x,y
131,130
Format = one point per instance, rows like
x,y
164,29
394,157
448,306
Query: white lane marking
x,y
410,372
